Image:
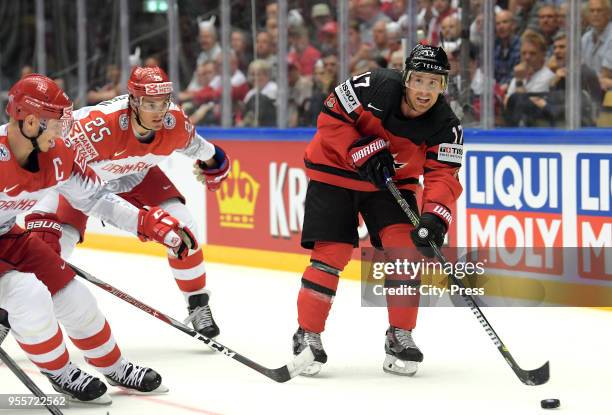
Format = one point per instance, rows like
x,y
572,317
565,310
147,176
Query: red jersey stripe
x,y
46,346
94,341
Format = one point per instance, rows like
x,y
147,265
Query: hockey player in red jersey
x,y
123,140
37,287
375,124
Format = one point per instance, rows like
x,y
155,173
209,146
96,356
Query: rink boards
x,y
522,188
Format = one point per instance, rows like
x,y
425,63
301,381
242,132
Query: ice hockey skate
x,y
200,315
402,354
138,380
79,386
5,327
301,340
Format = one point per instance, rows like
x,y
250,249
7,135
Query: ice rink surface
x,y
462,372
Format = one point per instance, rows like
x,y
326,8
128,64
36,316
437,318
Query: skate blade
x,y
103,400
160,390
395,366
312,369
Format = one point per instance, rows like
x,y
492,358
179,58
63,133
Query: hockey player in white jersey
x,y
123,140
36,285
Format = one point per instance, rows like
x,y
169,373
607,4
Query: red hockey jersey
x,y
370,105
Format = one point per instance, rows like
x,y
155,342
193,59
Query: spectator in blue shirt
x,y
507,48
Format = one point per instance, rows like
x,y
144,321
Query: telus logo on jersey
x,y
594,215
514,205
347,96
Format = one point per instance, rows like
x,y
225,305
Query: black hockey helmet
x,y
429,59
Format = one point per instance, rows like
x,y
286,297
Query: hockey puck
x,y
550,403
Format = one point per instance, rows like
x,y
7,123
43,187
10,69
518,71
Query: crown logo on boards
x,y
237,197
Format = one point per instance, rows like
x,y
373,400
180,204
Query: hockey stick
x,y
528,377
29,383
282,374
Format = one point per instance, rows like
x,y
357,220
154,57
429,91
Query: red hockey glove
x,y
155,224
213,177
371,157
46,226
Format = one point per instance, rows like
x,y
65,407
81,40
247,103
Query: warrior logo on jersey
x,y
169,121
4,153
124,121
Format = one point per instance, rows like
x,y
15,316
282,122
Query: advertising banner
x,y
514,207
261,204
536,207
594,215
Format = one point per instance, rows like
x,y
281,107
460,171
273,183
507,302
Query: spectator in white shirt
x,y
531,77
597,42
260,102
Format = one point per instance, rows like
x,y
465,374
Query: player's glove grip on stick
x,y
47,227
371,157
155,224
433,226
213,176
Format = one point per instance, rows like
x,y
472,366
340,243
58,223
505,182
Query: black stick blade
x,y
536,376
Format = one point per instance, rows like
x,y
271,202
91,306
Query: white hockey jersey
x,y
21,189
104,140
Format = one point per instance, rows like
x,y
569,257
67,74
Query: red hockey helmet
x,y
38,95
149,82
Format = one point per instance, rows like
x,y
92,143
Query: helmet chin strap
x,y
33,140
137,114
136,110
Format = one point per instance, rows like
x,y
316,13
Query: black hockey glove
x,y
432,228
371,157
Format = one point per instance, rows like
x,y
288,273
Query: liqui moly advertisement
x,y
594,215
531,211
514,207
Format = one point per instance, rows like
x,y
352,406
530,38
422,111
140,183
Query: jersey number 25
x,y
95,131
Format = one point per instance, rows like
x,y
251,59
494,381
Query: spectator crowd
x,y
530,59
